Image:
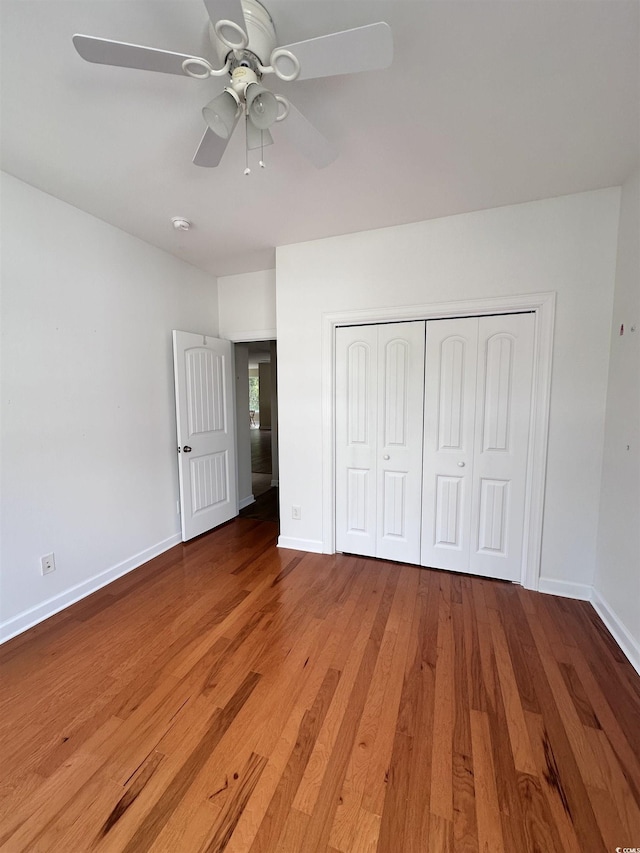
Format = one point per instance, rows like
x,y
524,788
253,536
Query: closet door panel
x,y
449,424
503,406
356,424
399,452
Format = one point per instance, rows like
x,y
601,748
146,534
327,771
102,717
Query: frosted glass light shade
x,y
257,138
221,113
262,106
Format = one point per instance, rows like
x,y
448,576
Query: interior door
x,y
503,408
399,446
379,388
356,439
206,432
449,428
477,410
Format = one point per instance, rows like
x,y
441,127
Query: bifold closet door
x,y
379,396
503,413
477,410
449,424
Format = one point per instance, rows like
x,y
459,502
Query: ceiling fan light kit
x,y
262,107
244,40
222,113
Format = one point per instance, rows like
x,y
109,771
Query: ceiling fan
x,y
243,37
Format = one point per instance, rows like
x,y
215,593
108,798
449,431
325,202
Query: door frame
x,y
543,306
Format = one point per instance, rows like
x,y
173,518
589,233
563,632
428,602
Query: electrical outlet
x,y
296,513
47,564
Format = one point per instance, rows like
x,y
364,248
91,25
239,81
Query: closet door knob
x,y
386,456
460,464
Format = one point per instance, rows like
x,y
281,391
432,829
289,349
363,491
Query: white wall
x,y
617,578
567,245
88,423
247,306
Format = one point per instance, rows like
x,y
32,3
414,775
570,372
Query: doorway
x,y
257,411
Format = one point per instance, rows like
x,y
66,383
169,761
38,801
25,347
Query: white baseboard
x,y
312,545
565,589
246,502
28,618
620,633
618,630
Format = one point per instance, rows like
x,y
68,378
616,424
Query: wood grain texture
x,y
232,696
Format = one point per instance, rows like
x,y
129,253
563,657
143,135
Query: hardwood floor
x,y
266,507
260,451
261,462
232,696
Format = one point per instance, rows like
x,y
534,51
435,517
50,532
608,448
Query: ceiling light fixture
x,y
262,107
222,113
245,95
243,37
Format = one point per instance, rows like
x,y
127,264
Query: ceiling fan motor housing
x,y
260,31
240,79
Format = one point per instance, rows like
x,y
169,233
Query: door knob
x,y
460,464
386,456
186,448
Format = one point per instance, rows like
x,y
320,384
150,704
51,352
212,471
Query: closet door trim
x,y
543,305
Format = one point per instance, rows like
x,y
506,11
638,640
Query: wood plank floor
x,y
232,696
266,507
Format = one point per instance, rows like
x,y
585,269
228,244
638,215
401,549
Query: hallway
x,y
265,506
261,463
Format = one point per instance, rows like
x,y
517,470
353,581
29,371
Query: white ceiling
x,y
487,103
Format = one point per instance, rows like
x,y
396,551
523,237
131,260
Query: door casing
x,y
543,306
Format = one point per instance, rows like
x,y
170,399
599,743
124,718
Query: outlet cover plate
x,y
47,564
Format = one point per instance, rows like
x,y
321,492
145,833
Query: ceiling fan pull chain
x,y
247,170
262,163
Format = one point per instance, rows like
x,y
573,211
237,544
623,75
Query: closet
x,y
432,434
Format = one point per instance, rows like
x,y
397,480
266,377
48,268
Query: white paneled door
x,y
432,443
476,440
503,410
449,440
206,432
379,390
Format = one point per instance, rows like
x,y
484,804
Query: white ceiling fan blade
x,y
307,138
211,148
361,49
107,52
226,10
257,138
